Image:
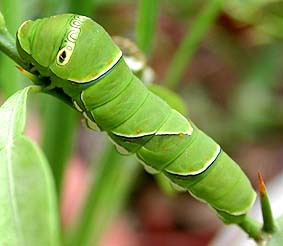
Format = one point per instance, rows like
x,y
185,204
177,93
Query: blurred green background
x,y
223,58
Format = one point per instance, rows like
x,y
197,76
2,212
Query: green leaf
x,y
27,197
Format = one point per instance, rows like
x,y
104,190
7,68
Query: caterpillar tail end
x,y
238,217
230,218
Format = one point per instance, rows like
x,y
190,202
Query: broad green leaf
x,y
27,197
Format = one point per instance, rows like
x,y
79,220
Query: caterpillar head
x,y
69,46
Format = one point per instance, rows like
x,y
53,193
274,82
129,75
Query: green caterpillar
x,y
78,62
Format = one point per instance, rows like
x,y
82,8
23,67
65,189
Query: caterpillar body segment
x,y
79,62
176,147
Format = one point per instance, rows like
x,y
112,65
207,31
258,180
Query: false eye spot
x,y
63,56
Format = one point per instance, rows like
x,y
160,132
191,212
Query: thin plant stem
x,y
191,42
8,44
12,10
252,228
59,125
107,194
146,22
